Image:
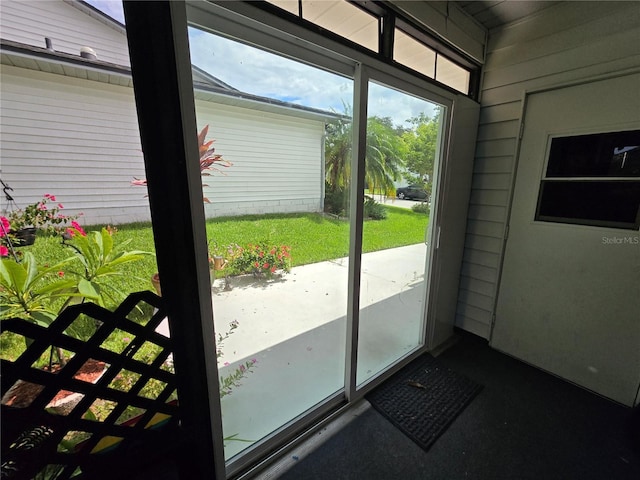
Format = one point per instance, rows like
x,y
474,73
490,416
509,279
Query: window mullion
x,y
360,96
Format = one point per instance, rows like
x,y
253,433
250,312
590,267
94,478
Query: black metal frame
x,y
32,432
163,86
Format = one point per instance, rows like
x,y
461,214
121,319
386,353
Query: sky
x,y
261,73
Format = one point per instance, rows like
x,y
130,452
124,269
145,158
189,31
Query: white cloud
x,y
113,8
261,73
258,72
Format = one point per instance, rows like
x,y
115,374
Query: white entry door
x,y
569,298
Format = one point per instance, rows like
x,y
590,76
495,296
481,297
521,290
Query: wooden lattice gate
x,y
52,431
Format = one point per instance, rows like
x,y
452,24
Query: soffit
x,y
496,13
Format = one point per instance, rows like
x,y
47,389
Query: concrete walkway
x,y
295,327
271,311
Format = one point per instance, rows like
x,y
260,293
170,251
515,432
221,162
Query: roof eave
x,y
41,56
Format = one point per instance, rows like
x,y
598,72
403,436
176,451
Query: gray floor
x,y
525,424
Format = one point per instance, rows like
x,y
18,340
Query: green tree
x,y
420,143
384,153
338,152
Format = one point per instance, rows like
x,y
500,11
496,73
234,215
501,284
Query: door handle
x,y
426,237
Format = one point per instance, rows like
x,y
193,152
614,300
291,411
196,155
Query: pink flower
x,y
4,251
256,264
5,226
50,197
139,181
226,364
42,206
76,228
265,265
60,205
273,269
61,274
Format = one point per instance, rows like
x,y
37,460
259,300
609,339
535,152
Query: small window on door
x,y
592,180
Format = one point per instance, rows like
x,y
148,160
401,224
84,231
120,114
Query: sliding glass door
x,y
402,146
282,135
319,196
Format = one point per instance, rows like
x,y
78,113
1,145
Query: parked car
x,y
415,192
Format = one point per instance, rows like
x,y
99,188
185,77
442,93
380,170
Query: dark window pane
x,y
599,155
600,203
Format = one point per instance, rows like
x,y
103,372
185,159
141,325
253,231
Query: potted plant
x,y
43,215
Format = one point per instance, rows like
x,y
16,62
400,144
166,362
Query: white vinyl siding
x,y
30,21
565,43
79,140
277,161
75,139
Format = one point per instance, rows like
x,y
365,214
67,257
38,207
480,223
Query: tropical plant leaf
x,y
43,317
89,289
14,275
107,243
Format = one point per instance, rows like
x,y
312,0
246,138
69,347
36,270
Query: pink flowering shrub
x,y
262,259
5,227
44,215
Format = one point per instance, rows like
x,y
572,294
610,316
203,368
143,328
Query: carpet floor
x,y
526,424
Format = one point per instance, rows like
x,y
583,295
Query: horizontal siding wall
x,y
79,140
568,42
277,161
68,28
73,138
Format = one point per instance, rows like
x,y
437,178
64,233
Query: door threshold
x,y
307,443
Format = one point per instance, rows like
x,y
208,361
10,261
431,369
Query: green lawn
x,y
312,238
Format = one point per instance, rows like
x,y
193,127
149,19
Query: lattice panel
x,y
49,424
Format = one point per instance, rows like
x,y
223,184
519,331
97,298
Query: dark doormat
x,y
423,399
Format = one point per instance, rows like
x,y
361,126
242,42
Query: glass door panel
x,y
278,262
402,145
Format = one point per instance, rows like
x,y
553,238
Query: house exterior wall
x,y
68,28
79,140
568,42
75,139
277,161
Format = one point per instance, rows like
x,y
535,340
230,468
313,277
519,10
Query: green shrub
x,y
422,207
261,259
373,209
336,201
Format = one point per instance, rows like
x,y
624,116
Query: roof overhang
x,y
44,60
48,61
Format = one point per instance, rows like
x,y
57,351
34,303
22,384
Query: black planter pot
x,y
25,237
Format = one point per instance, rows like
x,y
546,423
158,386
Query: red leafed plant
x,y
209,160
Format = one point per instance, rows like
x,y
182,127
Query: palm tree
x,y
384,153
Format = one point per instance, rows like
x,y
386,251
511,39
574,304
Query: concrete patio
x,y
295,327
